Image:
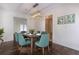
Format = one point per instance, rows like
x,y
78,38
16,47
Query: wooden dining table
x,y
32,38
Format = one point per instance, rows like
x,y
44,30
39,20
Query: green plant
x,y
31,31
1,31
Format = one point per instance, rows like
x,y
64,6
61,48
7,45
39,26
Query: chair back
x,y
21,39
16,36
43,32
44,41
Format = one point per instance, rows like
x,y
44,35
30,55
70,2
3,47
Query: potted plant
x,y
31,31
1,32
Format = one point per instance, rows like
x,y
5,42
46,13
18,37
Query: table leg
x,y
31,45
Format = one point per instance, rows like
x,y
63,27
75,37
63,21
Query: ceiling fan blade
x,y
35,5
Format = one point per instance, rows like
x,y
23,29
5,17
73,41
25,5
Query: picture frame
x,y
67,19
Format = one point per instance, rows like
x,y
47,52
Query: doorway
x,y
48,26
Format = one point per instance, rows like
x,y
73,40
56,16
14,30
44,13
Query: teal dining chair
x,y
43,42
16,37
22,42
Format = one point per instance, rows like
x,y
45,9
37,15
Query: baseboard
x,y
62,50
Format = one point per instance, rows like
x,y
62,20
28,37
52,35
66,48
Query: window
x,y
23,27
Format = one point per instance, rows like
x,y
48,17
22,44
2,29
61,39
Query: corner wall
x,y
65,34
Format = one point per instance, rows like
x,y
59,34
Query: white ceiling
x,y
9,6
28,7
23,7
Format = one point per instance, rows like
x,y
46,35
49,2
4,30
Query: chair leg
x,y
35,46
43,50
2,43
48,49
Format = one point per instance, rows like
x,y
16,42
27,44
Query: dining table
x,y
33,37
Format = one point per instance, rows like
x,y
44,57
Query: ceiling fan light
x,y
35,15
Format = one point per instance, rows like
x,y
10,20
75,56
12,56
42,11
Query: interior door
x,y
48,25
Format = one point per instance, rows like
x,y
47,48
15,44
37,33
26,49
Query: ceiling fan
x,y
36,13
35,5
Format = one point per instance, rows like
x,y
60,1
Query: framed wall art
x,y
67,19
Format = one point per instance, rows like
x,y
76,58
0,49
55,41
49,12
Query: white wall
x,y
33,23
7,22
42,24
65,34
30,22
0,20
37,24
